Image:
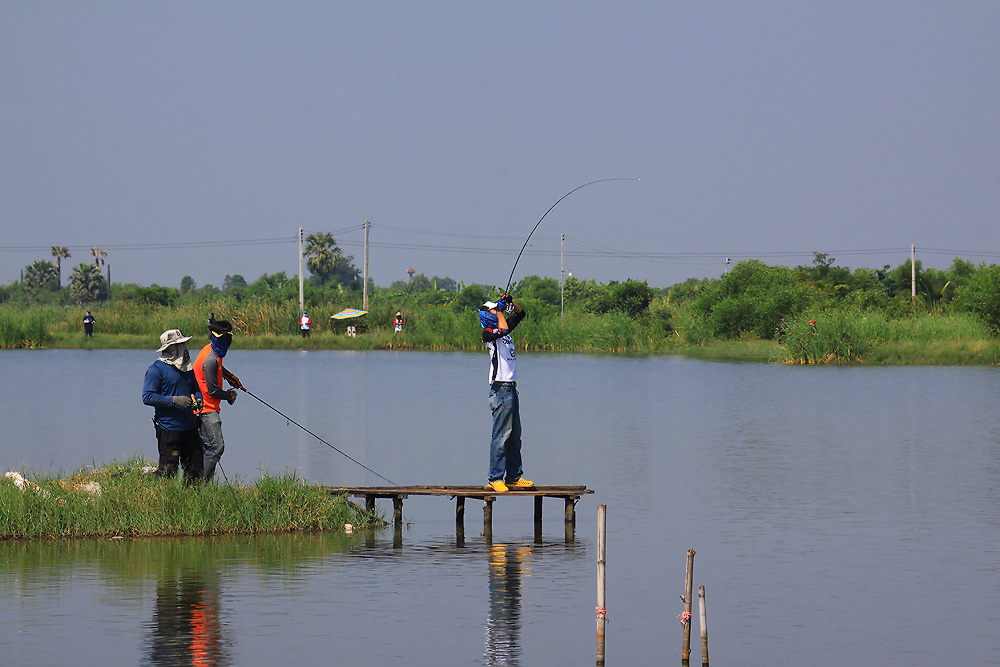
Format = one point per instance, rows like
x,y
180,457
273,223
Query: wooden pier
x,y
569,494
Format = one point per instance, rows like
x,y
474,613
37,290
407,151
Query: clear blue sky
x,y
768,129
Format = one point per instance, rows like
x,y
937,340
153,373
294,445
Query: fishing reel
x,y
198,404
506,304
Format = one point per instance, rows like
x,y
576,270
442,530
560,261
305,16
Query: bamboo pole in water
x,y
688,586
703,617
601,564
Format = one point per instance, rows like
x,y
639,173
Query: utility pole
x,y
562,281
302,286
913,274
364,292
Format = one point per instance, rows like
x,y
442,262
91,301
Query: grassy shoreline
x,y
120,500
816,337
944,352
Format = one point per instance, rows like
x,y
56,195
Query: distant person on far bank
x,y
209,371
304,323
88,325
397,324
171,389
211,320
498,321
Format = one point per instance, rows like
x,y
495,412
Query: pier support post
x,y
397,510
488,514
460,512
570,511
538,509
370,504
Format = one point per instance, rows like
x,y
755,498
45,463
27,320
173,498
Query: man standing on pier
x,y
209,371
505,444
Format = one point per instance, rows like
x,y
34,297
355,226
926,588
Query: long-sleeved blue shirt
x,y
161,384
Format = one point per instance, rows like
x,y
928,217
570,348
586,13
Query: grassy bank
x,y
874,338
265,326
833,337
121,500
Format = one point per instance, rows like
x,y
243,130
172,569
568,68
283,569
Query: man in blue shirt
x,y
171,389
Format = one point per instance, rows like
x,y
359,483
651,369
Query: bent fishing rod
x,y
339,451
602,180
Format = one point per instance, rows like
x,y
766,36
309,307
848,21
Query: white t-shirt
x,y
503,363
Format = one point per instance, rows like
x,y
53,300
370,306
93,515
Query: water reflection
x,y
186,629
508,563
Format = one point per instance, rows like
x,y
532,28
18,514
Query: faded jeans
x,y
505,445
211,435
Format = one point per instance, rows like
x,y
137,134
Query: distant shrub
x,y
981,296
751,299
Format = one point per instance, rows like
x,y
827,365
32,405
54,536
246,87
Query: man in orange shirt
x,y
209,372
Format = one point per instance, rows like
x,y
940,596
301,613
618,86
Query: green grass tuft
x,y
132,503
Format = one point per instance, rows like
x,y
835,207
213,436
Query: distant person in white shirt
x,y
304,323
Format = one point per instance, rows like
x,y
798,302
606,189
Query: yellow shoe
x,y
498,486
522,483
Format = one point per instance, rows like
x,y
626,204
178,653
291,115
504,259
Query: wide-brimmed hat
x,y
172,337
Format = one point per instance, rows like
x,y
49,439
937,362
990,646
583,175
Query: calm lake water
x,y
840,515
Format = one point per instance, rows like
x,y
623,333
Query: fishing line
x,y
602,180
316,436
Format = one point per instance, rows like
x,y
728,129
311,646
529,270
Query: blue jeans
x,y
505,446
211,435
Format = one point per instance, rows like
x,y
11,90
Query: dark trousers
x,y
88,330
183,447
305,333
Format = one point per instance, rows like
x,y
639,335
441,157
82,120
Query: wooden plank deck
x,y
570,494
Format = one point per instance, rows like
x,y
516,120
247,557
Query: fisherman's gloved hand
x,y
235,382
232,397
183,402
506,303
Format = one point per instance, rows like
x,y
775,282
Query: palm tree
x,y
36,275
98,254
87,284
60,253
323,255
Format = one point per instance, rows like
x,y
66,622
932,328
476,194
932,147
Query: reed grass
x,y
132,503
839,337
23,329
736,350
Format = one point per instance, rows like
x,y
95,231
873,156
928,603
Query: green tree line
x,y
752,302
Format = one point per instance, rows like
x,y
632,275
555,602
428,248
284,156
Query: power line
x,y
158,246
586,249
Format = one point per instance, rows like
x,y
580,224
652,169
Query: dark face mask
x,y
220,344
